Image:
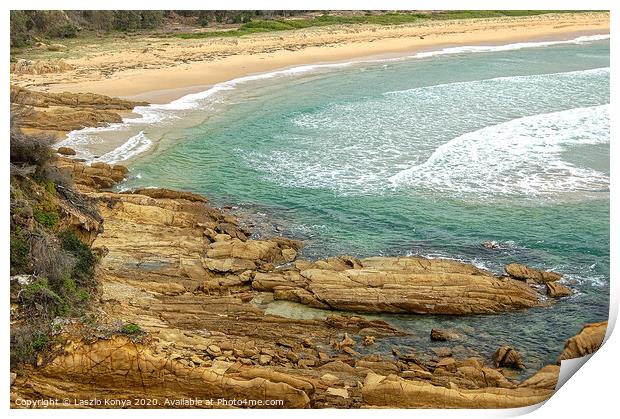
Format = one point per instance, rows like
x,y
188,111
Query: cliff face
x,y
178,315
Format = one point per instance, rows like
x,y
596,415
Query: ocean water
x,y
429,154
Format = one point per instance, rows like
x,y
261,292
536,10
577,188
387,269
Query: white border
x,y
591,393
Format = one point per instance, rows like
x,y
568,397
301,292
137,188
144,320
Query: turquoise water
x,y
431,155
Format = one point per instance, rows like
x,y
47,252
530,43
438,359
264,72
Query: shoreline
x,y
165,96
188,97
178,75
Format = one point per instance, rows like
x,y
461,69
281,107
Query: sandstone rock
x,y
589,339
346,341
228,265
555,290
442,351
442,335
414,285
117,365
368,340
449,364
23,66
338,366
507,357
264,359
384,367
289,254
340,392
523,272
348,350
66,151
417,374
393,391
163,193
214,350
330,379
545,378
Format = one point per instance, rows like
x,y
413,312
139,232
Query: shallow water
x,y
429,155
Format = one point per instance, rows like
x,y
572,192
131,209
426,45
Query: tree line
x,y
28,25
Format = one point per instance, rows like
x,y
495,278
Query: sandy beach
x,y
159,70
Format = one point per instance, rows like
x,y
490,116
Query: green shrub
x,y
131,329
26,342
20,250
41,297
127,20
152,19
19,28
85,258
46,218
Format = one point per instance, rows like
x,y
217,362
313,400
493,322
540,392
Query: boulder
x,y
555,290
368,340
507,356
524,273
442,335
66,151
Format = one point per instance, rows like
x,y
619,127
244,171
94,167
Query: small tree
x,y
127,20
19,28
152,19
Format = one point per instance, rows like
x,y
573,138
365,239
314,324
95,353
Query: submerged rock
x,y
442,335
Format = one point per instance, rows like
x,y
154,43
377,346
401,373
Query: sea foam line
x,y
156,113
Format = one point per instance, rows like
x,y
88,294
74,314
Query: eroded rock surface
x,y
186,273
66,111
586,342
525,273
398,285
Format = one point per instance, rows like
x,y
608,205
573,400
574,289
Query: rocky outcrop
x,y
95,176
65,111
555,290
39,66
507,357
188,275
525,273
397,285
394,391
37,99
121,368
586,342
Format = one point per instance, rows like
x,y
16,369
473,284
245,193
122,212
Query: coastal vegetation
x,y
52,269
30,27
368,18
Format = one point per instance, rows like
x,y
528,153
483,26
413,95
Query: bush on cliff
x,y
58,266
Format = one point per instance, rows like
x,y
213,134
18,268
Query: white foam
x,y
580,74
137,144
508,47
521,156
159,113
